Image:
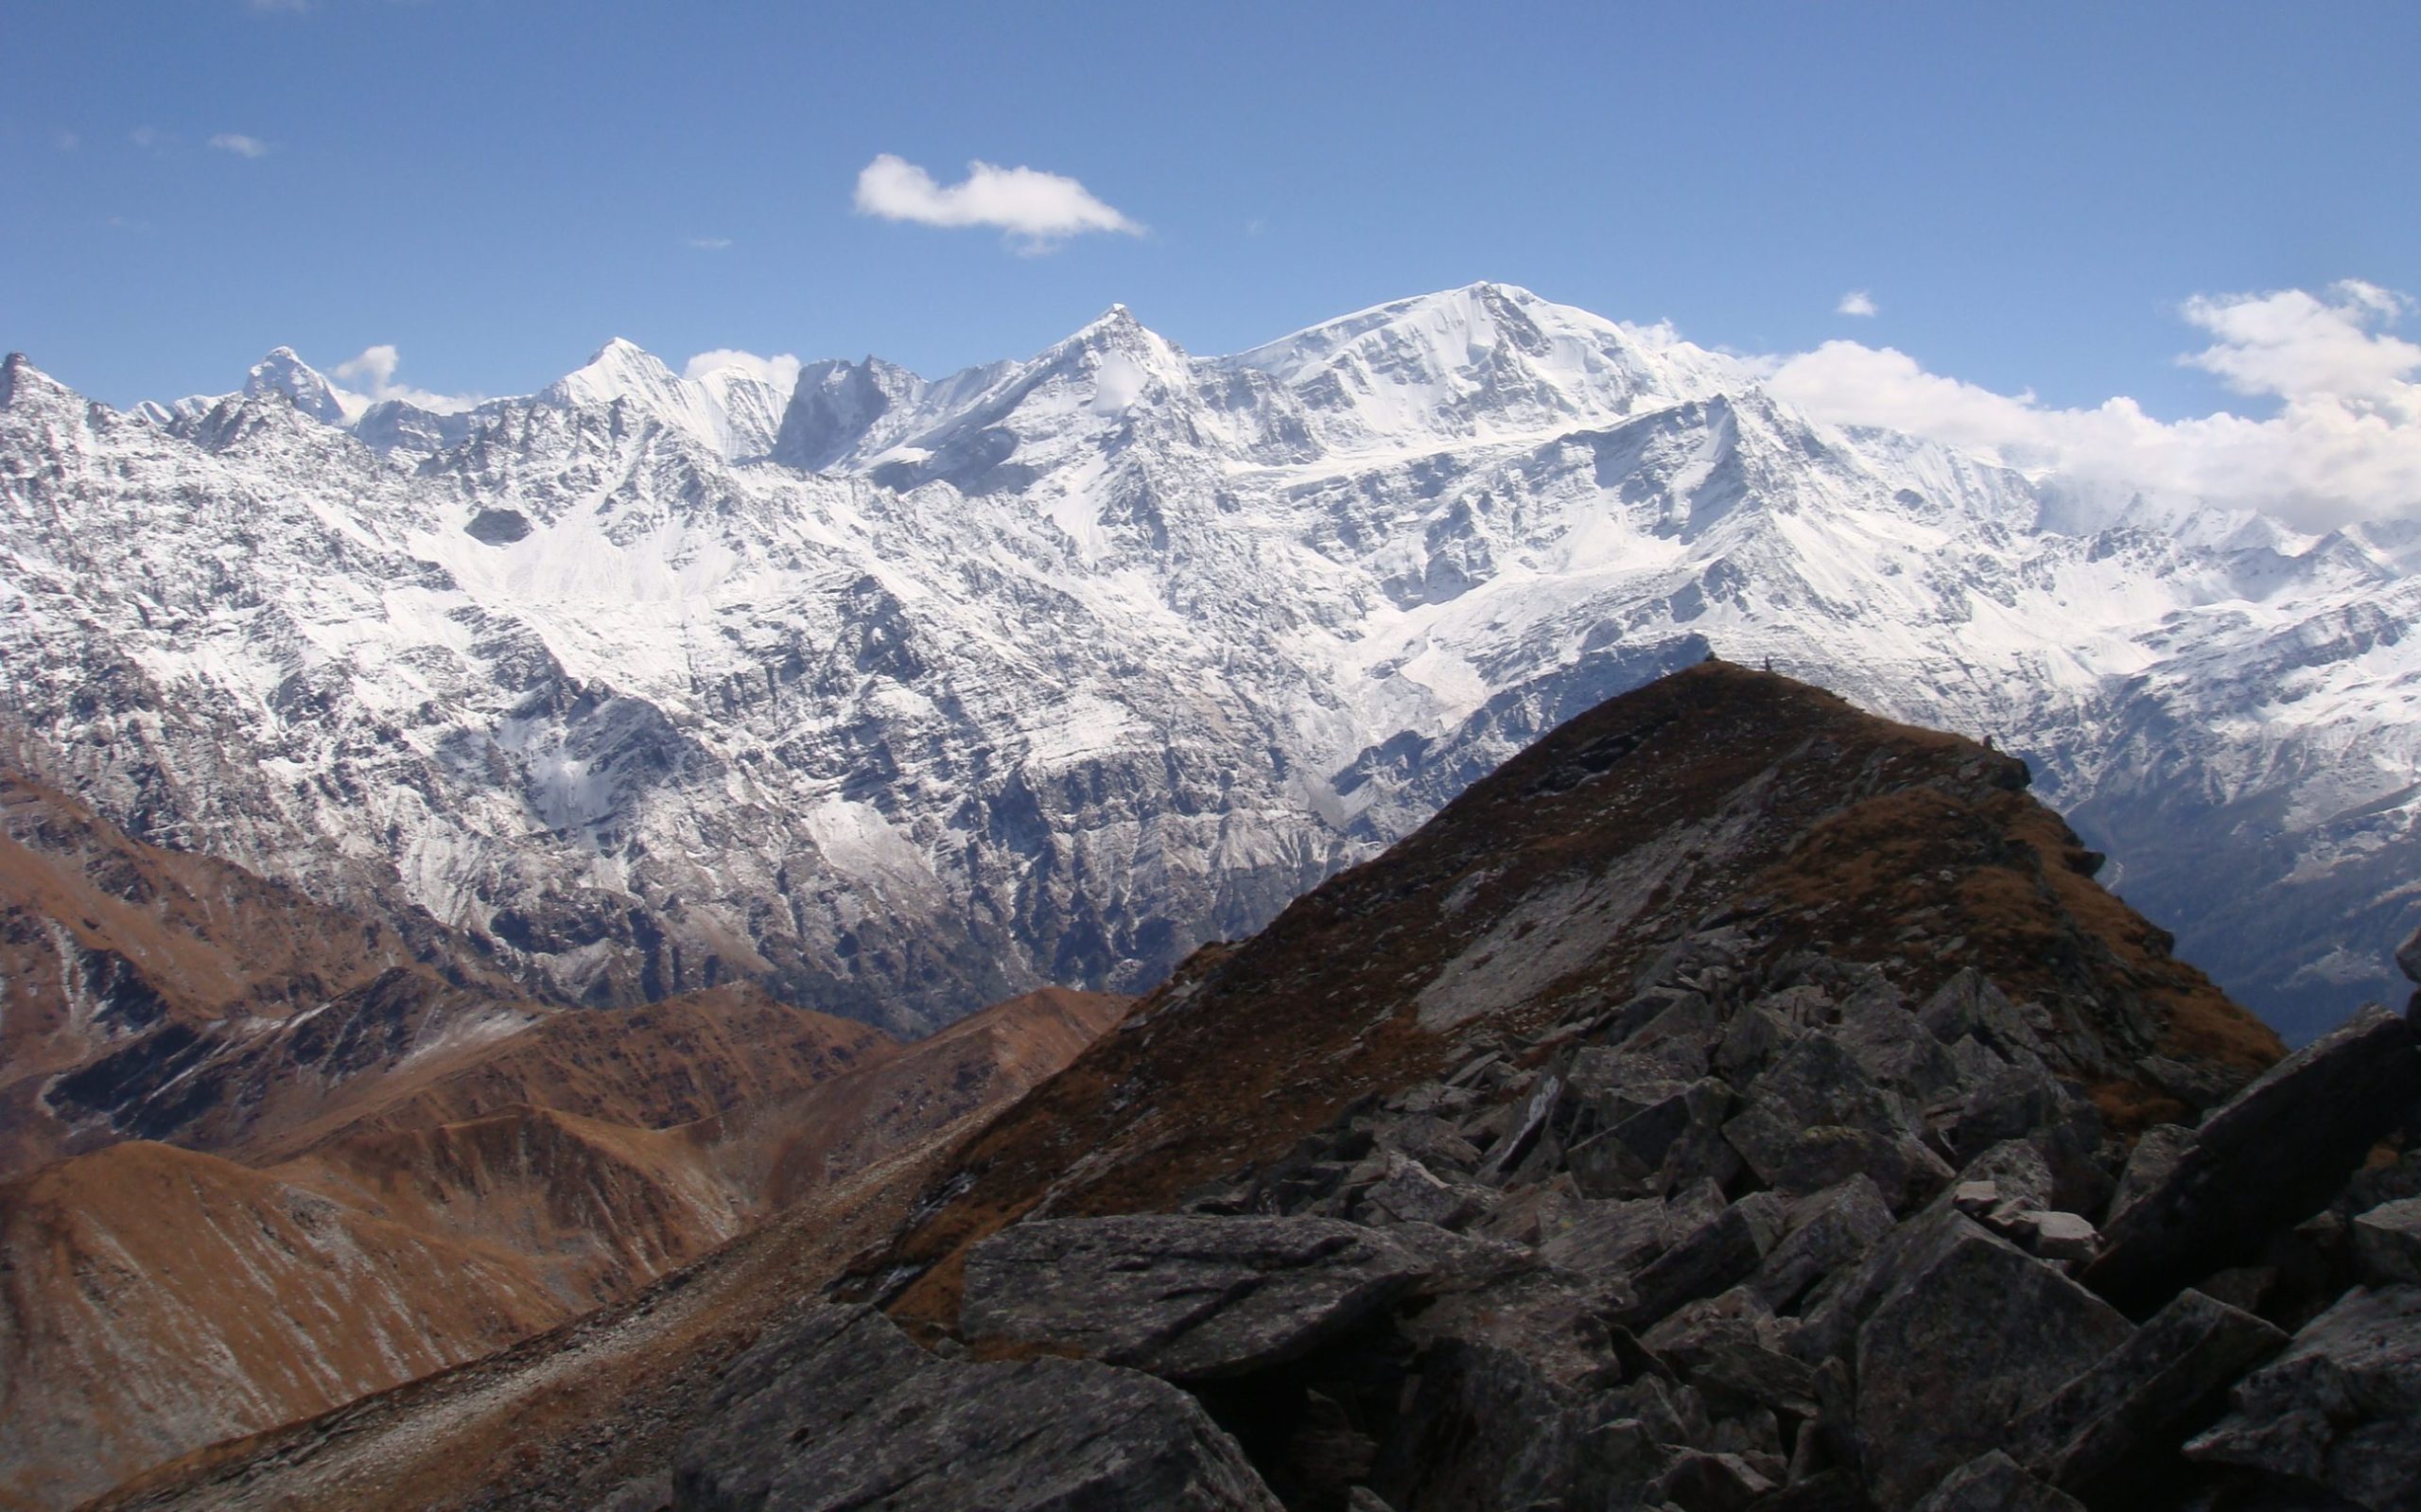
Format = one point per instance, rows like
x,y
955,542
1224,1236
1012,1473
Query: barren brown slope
x,y
786,1147
590,1210
522,1198
668,1063
1716,791
153,1298
112,948
562,1419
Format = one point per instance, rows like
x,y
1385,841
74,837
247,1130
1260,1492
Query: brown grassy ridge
x,y
1731,791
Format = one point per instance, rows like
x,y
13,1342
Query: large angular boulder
x,y
1831,1230
1969,1339
1815,1118
1995,1482
2341,1409
1722,1251
2130,1400
839,1410
1675,1138
1189,1298
2264,1162
2387,1243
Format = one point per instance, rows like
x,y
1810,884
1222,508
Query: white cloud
x,y
146,137
781,370
243,146
65,140
2296,345
1040,209
273,7
1856,301
2345,444
709,243
373,371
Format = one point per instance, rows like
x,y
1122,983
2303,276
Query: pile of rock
x,y
1758,1237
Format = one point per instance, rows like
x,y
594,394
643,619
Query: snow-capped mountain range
x,y
907,694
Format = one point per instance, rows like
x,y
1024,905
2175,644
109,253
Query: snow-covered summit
x,y
904,693
283,372
733,412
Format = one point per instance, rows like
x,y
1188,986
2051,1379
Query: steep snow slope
x,y
904,695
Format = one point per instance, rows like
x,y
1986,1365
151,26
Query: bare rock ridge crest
x,y
901,696
1737,1101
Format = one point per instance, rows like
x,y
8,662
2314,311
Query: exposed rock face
x,y
2341,1409
1962,1347
1637,1015
2273,1156
1190,1298
839,1410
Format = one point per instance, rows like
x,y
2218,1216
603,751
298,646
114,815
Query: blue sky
x,y
2027,194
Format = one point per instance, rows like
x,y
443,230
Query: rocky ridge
x,y
1735,1101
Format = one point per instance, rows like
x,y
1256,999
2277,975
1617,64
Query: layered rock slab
x,y
2272,1156
839,1410
2341,1409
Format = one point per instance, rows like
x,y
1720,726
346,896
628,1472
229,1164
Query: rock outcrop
x,y
837,1410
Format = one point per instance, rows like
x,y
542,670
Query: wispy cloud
x,y
2345,444
146,137
1039,209
277,8
128,223
374,374
65,140
781,371
243,146
709,243
1856,301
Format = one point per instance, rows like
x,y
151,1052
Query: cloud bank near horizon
x,y
2344,445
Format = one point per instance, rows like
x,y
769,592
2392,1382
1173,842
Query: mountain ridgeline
x,y
1736,1102
900,695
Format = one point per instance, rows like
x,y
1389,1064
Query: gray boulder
x,y
2129,1401
1815,1118
1967,1341
1609,1239
2341,1409
839,1410
2149,1164
1831,1230
1995,1482
1673,1139
1412,1193
2265,1161
1719,1254
1969,1005
2387,1243
1184,1296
